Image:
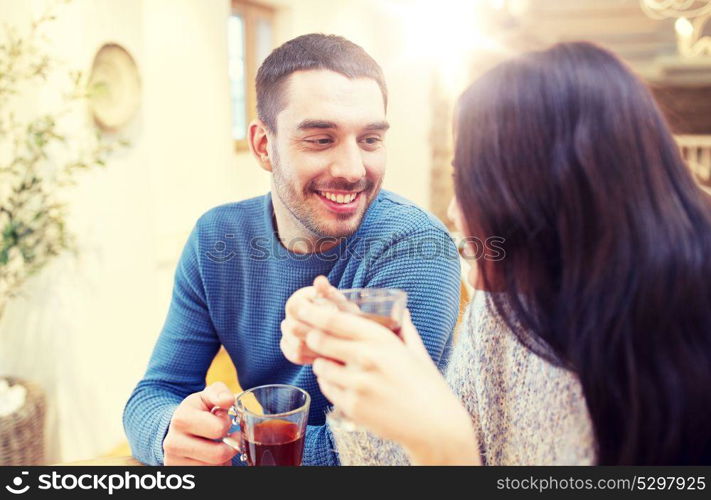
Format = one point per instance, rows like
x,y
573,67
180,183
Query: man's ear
x,y
258,139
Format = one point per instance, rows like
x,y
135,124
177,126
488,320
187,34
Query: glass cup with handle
x,y
268,424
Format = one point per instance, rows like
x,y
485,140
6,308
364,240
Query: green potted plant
x,y
40,156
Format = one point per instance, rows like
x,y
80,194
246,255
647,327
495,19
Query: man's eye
x,y
320,142
372,141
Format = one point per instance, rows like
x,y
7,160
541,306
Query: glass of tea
x,y
269,423
382,305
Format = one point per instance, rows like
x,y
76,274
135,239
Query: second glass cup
x,y
269,424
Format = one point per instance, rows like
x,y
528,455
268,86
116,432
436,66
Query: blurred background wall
x,y
85,326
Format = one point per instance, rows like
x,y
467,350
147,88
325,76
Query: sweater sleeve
x,y
357,446
464,365
318,447
180,359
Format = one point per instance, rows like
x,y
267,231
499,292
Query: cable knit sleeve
x,y
356,446
464,365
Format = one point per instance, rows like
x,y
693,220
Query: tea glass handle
x,y
237,445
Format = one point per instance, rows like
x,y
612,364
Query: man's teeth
x,y
339,198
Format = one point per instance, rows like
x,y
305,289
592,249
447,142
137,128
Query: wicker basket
x,y
22,432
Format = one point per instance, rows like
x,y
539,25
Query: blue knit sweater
x,y
232,282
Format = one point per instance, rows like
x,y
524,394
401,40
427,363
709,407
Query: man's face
x,y
328,155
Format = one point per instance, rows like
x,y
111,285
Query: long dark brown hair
x,y
564,154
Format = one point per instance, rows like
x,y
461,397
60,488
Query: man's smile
x,y
341,202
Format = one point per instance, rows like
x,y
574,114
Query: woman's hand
x,y
388,385
293,332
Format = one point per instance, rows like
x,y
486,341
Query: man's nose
x,y
349,164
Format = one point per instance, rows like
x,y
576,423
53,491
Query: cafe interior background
x,y
131,116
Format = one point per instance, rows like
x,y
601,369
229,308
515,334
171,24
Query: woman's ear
x,y
258,139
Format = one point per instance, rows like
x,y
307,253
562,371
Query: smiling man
x,y
321,104
332,133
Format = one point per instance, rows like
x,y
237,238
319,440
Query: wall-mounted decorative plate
x,y
114,87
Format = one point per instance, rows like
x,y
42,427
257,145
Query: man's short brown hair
x,y
310,52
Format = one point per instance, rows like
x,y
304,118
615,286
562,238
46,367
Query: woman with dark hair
x,y
590,341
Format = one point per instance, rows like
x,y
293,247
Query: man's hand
x,y
193,429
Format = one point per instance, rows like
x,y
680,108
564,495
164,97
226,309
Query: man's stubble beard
x,y
291,200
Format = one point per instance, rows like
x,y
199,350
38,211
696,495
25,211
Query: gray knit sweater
x,y
525,410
